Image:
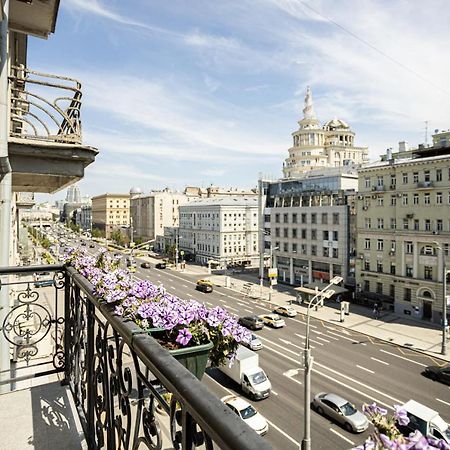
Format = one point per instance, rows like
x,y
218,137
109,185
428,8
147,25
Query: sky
x,y
193,93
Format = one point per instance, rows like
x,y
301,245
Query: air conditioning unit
x,y
410,216
435,232
374,196
399,194
361,256
392,187
360,197
392,253
365,208
374,188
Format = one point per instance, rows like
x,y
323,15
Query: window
x,y
404,199
286,232
416,199
428,273
277,218
380,201
409,271
325,251
380,223
416,177
325,235
366,264
438,174
303,233
405,178
285,218
379,288
367,182
314,250
439,224
427,225
426,175
294,248
294,218
426,199
313,234
335,218
393,246
324,218
303,218
392,268
335,235
392,291
393,223
409,248
439,198
405,224
367,285
314,218
304,249
366,244
294,232
416,225
367,222
380,244
380,266
393,200
380,181
407,294
277,232
285,247
393,180
335,253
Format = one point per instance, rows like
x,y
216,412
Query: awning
x,y
310,289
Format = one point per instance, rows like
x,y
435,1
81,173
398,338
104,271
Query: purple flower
x,y
184,336
400,415
118,310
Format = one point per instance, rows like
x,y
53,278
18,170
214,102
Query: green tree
x,y
118,237
98,233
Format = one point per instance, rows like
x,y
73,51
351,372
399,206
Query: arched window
x,y
427,250
427,294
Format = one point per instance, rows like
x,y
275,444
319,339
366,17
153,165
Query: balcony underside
x,y
46,166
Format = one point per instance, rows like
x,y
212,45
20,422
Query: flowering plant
x,y
388,436
184,323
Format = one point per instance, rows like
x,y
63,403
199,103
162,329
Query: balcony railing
x,y
44,106
117,373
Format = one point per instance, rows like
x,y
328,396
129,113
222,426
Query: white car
x,y
273,320
247,413
288,311
254,344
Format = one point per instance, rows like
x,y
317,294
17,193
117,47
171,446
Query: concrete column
x,y
291,270
310,271
415,260
331,270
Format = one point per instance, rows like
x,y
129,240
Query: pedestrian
x,y
376,311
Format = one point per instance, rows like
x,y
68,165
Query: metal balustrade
x,y
44,106
119,376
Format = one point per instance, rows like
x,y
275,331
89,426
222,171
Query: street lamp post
x,y
271,266
308,362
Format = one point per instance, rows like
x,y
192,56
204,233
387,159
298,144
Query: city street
x,y
347,364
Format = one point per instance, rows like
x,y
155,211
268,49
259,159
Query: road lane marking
x,y
248,310
379,360
223,301
342,436
284,348
323,339
185,285
173,287
304,323
209,303
343,337
241,304
442,401
312,340
363,368
232,309
290,343
273,392
170,279
402,357
270,422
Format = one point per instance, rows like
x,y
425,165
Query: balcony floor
x,y
40,417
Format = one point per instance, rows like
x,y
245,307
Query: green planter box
x,y
194,358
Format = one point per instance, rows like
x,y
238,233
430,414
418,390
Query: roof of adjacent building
x,y
223,201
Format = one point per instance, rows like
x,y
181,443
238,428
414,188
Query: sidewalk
x,y
390,327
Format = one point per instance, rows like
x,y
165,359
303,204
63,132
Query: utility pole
x,y
261,232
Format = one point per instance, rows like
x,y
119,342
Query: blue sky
x,y
179,93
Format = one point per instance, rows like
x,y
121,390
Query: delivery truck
x,y
426,420
246,372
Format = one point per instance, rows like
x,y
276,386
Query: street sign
x,y
182,252
273,281
273,272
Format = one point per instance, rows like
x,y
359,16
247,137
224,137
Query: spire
x,y
308,110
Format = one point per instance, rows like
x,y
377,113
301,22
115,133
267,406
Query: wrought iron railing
x,y
45,106
119,375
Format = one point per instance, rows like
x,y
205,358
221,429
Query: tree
x,y
118,237
98,233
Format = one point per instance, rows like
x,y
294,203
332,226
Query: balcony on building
x,y
79,376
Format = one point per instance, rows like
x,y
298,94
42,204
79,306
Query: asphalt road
x,y
350,364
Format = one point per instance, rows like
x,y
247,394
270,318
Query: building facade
x,y
403,225
315,146
222,230
309,226
111,212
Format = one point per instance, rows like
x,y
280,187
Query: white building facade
x,y
222,231
315,146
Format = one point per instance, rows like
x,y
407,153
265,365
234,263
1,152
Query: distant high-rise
x,y
73,194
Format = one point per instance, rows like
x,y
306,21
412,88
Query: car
x,y
437,373
251,322
204,286
43,283
273,320
247,413
288,311
145,265
254,344
342,411
160,265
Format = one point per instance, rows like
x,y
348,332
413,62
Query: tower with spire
x,y
317,147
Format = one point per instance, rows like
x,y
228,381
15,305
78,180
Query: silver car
x,y
254,344
342,411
